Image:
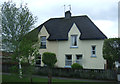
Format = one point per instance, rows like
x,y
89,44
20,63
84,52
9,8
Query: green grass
x,y
38,80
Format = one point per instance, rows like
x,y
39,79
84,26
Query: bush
x,y
49,59
76,66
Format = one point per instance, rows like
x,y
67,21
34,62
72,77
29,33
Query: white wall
x,y
51,46
84,47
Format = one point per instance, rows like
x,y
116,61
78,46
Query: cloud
x,y
109,28
104,13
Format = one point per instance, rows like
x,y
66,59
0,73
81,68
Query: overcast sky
x,y
104,13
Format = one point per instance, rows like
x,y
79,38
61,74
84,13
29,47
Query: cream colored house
x,y
74,39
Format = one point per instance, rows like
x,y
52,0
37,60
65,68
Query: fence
x,y
79,73
6,67
71,73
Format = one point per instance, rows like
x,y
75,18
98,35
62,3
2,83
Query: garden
x,y
11,79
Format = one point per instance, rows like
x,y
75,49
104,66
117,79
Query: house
x,y
74,39
5,56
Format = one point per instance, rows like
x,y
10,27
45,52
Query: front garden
x,y
68,72
11,79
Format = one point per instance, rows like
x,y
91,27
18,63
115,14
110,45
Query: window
x,y
43,42
74,41
94,51
68,60
78,58
38,61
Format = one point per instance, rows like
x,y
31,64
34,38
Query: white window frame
x,y
42,42
93,55
73,41
37,59
80,60
67,61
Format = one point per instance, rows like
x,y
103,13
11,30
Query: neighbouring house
x,y
74,39
5,56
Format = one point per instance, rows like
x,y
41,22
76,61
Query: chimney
x,y
67,14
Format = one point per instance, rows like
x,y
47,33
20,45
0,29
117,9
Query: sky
x,y
104,13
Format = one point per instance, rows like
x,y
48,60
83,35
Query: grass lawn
x,y
11,79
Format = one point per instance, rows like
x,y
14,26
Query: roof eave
x,y
93,38
57,39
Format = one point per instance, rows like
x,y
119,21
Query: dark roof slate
x,y
58,28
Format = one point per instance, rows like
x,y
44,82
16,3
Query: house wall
x,y
51,46
61,48
84,48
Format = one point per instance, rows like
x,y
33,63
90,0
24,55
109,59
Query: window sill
x,y
74,47
93,56
67,67
42,47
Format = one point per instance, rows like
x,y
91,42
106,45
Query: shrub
x,y
76,66
49,59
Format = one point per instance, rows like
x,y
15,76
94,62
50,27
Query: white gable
x,y
43,32
74,30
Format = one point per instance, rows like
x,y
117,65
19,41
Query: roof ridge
x,y
80,16
58,28
71,17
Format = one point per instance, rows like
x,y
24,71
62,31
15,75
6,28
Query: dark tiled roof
x,y
58,28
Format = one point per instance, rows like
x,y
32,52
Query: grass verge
x,y
12,79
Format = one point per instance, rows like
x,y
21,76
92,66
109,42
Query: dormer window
x,y
43,42
74,43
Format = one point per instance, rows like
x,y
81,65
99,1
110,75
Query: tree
x,y
16,23
111,51
28,54
49,59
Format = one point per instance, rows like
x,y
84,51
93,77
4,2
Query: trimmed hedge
x,y
98,74
78,73
76,66
49,59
